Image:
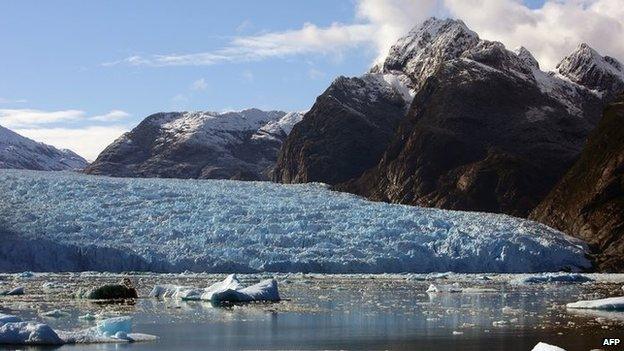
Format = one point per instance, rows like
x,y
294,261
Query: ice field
x,y
62,221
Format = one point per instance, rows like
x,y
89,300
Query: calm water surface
x,y
341,312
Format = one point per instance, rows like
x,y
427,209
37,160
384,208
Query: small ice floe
x,y
454,288
542,346
14,331
55,314
87,317
13,292
122,290
228,290
552,278
27,274
49,287
455,332
608,304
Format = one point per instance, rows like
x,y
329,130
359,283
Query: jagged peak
x,y
424,47
526,56
585,66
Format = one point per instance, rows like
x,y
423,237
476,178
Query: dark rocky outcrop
x,y
234,145
588,202
345,132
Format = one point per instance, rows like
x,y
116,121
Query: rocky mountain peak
x,y
585,66
527,57
419,53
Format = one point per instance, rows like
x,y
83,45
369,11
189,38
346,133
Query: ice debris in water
x,y
113,326
552,278
55,314
14,331
230,290
26,274
245,227
17,332
454,288
542,346
609,304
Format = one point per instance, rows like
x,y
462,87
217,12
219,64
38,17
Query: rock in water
x,y
588,202
122,290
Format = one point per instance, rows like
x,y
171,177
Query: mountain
x,y
487,130
232,145
20,152
345,132
588,202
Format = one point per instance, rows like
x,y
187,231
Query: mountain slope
x,y
588,202
20,152
232,145
487,129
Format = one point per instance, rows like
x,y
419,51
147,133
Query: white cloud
x,y
314,73
88,142
114,115
199,84
17,118
550,32
12,101
26,118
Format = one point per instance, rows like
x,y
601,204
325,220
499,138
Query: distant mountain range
x,y
446,120
20,152
233,145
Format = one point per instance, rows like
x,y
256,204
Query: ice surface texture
x,y
63,221
542,346
228,290
609,304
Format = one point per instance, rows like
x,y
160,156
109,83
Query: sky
x,y
77,74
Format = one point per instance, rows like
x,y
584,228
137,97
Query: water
x,y
343,312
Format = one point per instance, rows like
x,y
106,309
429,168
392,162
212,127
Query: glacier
x,y
64,221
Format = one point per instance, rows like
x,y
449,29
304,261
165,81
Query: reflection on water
x,y
337,312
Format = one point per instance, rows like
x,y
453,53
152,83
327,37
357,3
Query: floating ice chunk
x,y
542,346
112,326
121,290
455,288
9,318
27,274
28,333
87,317
552,278
609,304
230,289
55,314
13,292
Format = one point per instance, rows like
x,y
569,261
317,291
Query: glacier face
x,y
68,221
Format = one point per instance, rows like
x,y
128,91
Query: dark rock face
x,y
588,202
235,145
344,134
477,138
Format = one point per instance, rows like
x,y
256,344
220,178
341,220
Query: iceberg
x,y
216,226
14,331
608,304
542,346
228,290
552,278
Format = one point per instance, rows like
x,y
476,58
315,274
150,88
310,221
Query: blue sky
x,y
78,73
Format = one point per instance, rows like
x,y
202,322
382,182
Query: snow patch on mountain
x,y
20,152
101,223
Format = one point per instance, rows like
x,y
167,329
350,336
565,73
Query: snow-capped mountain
x,y
20,152
231,145
486,130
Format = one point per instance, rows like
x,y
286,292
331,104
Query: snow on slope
x,y
20,152
65,221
